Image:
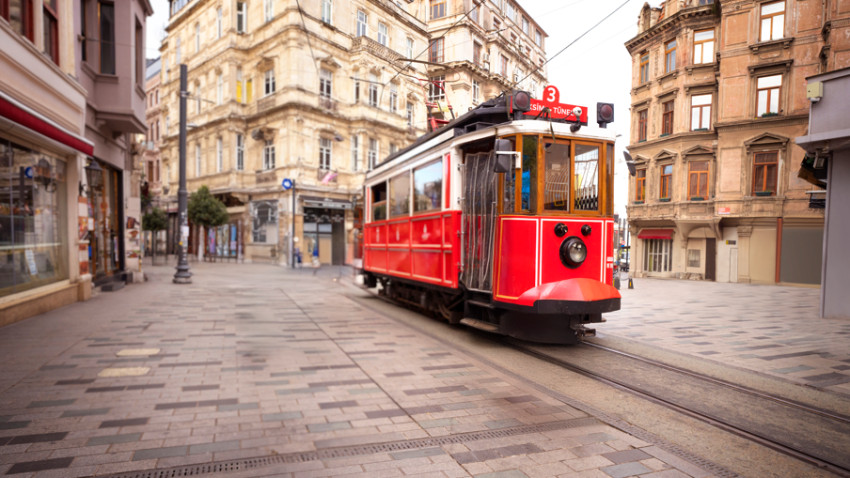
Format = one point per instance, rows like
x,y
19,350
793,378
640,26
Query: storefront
x,y
324,231
105,204
33,219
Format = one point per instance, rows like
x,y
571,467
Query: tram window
x,y
509,186
428,186
400,195
529,174
587,178
379,202
556,181
609,180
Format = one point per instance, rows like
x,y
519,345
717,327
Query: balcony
x,y
371,46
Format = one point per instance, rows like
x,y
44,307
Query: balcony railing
x,y
375,48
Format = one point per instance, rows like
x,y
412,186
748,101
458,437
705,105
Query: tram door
x,y
479,218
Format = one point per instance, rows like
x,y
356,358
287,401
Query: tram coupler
x,y
583,331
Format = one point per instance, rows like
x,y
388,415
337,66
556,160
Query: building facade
x,y
50,133
476,51
718,96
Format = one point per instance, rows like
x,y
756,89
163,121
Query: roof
x,y
152,67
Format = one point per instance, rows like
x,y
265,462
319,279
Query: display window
x,y
33,249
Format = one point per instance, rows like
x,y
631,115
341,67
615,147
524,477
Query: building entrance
x,y
324,236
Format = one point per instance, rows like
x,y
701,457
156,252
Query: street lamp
x,y
183,276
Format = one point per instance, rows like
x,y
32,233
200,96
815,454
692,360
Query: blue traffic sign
x,y
287,184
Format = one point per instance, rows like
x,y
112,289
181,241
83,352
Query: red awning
x,y
655,234
21,116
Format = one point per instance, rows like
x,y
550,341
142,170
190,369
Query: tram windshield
x,y
556,175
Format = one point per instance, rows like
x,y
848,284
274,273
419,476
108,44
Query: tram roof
x,y
493,112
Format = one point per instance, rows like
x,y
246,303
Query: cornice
x,y
673,22
761,123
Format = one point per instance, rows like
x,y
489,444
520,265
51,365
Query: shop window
x,y
657,255
765,167
428,186
33,239
264,222
400,195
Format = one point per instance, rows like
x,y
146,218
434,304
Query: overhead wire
x,y
307,34
571,43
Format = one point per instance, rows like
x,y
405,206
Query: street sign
x,y
557,110
287,184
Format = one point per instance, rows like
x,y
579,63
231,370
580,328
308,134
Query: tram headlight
x,y
573,252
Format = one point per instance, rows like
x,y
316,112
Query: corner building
x,y
67,102
718,96
315,96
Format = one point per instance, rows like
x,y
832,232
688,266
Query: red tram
x,y
500,220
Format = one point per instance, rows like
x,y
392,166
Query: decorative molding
x,y
777,65
709,85
784,43
674,91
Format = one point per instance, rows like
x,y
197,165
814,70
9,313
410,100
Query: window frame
x,y
643,117
268,82
219,20
436,88
241,17
403,178
701,44
268,155
771,17
240,152
268,10
325,153
765,188
50,33
362,24
640,185
383,34
111,50
643,72
436,50
373,91
670,56
439,206
219,155
355,152
327,11
667,117
666,183
704,112
769,92
437,9
325,83
698,174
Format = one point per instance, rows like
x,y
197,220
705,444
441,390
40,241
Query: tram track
x,y
812,435
818,437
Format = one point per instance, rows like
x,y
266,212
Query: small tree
x,y
206,210
155,220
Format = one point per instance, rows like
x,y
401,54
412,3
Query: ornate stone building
x,y
315,96
477,52
317,93
718,96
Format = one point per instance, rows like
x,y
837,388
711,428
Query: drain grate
x,y
348,451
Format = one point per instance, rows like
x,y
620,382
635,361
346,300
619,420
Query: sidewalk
x,y
276,372
773,330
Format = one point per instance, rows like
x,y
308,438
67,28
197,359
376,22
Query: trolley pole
x,y
183,276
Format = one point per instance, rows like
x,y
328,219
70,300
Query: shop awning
x,y
23,116
655,234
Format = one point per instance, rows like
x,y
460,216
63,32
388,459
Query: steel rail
x,y
704,417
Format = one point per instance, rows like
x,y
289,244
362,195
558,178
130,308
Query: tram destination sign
x,y
557,110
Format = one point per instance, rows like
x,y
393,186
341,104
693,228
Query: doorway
x,y
710,258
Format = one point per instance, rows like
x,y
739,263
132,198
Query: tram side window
x,y
509,186
400,195
529,174
428,186
379,202
556,180
587,178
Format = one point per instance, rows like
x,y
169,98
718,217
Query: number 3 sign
x,y
551,94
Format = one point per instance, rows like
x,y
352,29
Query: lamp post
x,y
183,276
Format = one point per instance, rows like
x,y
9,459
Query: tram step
x,y
480,325
479,303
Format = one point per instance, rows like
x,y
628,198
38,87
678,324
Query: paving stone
x,y
626,469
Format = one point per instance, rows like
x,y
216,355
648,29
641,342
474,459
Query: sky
x,y
596,68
